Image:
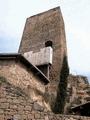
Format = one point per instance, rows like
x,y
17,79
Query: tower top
x,y
41,27
45,12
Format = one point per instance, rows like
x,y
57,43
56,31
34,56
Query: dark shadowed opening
x,y
83,109
49,44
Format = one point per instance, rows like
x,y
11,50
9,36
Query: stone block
x,y
17,117
2,117
38,107
37,116
28,108
4,105
1,111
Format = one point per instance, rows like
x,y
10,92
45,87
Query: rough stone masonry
x,y
29,92
41,29
16,105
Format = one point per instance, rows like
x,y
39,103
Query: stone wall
x,y
78,90
20,76
16,105
43,27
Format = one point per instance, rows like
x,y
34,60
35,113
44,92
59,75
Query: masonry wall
x,y
19,107
47,26
16,105
78,90
44,27
19,76
19,100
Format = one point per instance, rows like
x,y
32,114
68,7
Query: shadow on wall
x,y
11,88
62,88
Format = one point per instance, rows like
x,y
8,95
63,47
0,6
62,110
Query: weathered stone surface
x,y
18,75
47,26
22,95
16,117
26,109
38,107
77,90
44,27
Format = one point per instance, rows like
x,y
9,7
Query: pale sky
x,y
13,14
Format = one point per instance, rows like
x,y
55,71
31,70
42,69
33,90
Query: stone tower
x,y
44,43
42,29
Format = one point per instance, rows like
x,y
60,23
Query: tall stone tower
x,y
44,30
44,44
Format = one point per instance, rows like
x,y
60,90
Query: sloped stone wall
x,y
19,76
16,105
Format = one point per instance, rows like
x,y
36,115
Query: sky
x,y
13,14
